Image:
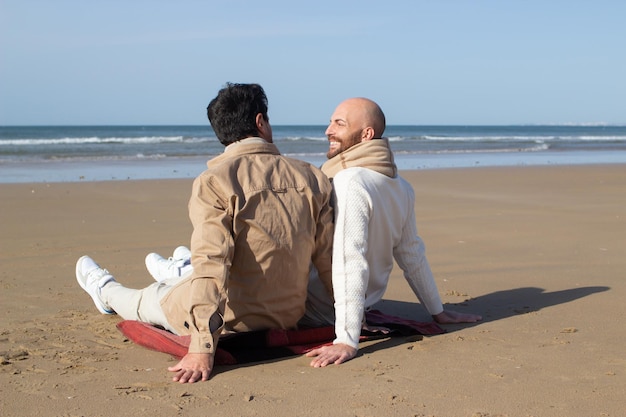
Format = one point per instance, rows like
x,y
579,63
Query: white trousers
x,y
141,305
145,304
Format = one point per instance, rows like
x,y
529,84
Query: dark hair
x,y
233,112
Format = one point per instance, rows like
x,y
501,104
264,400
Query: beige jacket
x,y
259,220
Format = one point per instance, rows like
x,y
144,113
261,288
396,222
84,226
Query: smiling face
x,y
345,129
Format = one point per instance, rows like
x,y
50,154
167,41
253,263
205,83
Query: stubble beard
x,y
344,145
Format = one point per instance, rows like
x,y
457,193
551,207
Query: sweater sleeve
x,y
350,267
410,255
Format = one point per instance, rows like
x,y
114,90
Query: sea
x,y
100,153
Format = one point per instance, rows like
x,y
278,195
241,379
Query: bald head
x,y
364,113
355,120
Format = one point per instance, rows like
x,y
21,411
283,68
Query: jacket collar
x,y
246,146
233,147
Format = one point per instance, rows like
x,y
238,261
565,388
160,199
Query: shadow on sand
x,y
495,306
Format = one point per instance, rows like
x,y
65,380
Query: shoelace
x,y
97,274
177,263
171,263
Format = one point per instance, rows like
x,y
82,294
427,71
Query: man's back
x,y
376,221
279,220
374,211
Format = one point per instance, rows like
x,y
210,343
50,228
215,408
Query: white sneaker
x,y
92,278
182,253
178,266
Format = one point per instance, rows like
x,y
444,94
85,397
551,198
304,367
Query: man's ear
x,y
367,134
260,122
261,125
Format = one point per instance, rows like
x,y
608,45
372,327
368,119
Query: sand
x,y
540,252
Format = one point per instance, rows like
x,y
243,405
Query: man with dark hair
x,y
259,221
231,114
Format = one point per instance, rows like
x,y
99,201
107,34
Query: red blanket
x,y
267,344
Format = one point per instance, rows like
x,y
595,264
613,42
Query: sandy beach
x,y
539,251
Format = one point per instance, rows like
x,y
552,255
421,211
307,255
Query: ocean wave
x,y
302,138
537,148
93,140
99,158
487,138
146,140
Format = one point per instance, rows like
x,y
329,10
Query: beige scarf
x,y
374,154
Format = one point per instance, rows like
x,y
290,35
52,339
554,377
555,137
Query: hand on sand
x,y
193,367
333,354
452,317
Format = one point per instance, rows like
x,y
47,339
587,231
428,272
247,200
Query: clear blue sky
x,y
425,62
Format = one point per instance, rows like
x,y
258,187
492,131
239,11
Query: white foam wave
x,y
537,148
298,138
97,140
183,139
538,139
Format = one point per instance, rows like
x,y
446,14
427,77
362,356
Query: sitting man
x,y
374,223
259,220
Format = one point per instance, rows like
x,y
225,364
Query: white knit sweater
x,y
374,223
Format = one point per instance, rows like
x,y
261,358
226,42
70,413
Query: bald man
x,y
374,224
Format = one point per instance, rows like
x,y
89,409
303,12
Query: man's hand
x,y
193,367
452,317
333,354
